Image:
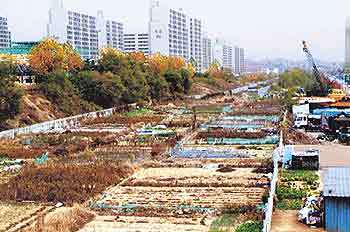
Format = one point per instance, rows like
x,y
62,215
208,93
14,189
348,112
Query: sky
x,y
265,28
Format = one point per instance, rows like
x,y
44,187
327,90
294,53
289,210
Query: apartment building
x,y
207,52
5,34
227,57
196,49
222,53
136,42
86,33
239,66
173,32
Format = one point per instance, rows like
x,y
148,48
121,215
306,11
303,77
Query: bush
x,y
250,226
310,177
10,99
284,192
289,204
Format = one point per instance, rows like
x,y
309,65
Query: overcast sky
x,y
266,28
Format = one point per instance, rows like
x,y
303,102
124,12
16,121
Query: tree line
x,y
76,86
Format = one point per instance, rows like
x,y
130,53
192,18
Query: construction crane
x,y
320,77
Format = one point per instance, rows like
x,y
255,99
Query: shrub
x,y
64,220
284,192
10,99
307,176
250,226
289,204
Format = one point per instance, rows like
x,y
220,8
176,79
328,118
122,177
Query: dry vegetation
x,y
64,183
125,120
63,220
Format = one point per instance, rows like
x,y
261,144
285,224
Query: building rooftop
x,y
337,182
18,48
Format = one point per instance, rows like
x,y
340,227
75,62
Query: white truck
x,y
307,121
301,121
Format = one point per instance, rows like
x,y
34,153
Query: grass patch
x,y
139,112
285,192
307,176
223,223
294,186
250,226
289,204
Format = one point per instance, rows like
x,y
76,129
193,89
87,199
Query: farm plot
x,y
177,201
211,176
243,122
146,224
213,151
200,190
209,163
12,214
67,183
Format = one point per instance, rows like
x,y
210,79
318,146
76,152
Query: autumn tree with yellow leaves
x,y
49,56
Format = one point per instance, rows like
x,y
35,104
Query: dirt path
x,y
286,221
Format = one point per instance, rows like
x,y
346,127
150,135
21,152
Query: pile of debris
x,y
312,212
297,137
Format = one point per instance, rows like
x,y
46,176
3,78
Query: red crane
x,y
320,77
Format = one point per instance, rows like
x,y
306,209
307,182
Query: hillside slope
x,y
35,108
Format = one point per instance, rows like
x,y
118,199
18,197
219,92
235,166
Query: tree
x,y
111,60
215,71
297,78
7,66
138,57
10,94
135,82
103,89
158,86
175,81
49,56
59,89
158,63
187,82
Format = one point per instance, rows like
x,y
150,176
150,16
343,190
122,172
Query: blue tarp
x,y
207,154
288,153
233,126
42,159
330,112
242,141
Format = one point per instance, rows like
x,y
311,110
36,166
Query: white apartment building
x,y
239,66
347,43
228,57
136,42
115,34
86,33
222,54
173,32
5,34
207,52
196,48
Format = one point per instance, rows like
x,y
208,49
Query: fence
x,y
269,209
59,124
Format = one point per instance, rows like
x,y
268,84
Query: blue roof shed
x,y
336,192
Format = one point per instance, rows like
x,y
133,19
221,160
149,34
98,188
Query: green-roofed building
x,y
19,48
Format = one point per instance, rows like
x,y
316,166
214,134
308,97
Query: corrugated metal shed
x,y
337,214
337,199
337,182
